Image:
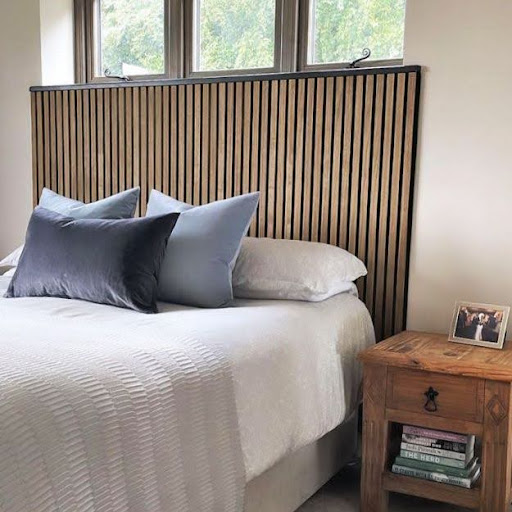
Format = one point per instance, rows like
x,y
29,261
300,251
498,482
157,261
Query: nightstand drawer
x,y
450,396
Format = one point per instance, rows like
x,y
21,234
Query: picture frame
x,y
484,325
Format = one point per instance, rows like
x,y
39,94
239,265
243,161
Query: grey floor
x,y
341,494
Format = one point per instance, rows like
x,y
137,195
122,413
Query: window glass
x,y
234,34
132,37
341,29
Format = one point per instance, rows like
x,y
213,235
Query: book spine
x,y
432,466
437,443
434,459
430,475
436,434
436,451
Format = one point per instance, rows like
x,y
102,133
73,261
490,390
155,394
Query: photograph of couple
x,y
479,323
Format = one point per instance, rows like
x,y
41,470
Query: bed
x,y
294,375
262,397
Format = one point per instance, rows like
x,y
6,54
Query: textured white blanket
x,y
117,410
93,423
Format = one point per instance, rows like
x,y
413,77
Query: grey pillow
x,y
118,206
202,251
112,262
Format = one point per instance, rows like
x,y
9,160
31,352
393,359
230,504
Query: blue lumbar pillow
x,y
118,206
202,252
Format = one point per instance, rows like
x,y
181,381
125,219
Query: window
x,y
131,37
231,35
339,30
148,39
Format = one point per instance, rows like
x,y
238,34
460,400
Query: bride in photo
x,y
480,320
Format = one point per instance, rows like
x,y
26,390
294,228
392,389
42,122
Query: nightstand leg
x,y
375,440
496,448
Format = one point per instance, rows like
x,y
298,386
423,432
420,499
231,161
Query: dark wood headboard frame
x,y
332,154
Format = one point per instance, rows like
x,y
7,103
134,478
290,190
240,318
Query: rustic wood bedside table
x,y
474,387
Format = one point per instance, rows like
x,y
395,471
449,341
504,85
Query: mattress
x,y
293,364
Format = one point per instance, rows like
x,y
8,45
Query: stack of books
x,y
437,455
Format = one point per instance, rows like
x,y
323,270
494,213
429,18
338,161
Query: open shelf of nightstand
x,y
469,498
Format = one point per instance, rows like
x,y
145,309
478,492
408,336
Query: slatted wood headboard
x,y
332,154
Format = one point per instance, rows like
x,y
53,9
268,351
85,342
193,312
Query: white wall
x,y
57,41
462,235
20,65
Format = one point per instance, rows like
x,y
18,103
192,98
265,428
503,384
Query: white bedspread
x,y
294,378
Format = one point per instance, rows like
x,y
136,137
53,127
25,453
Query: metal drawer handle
x,y
430,404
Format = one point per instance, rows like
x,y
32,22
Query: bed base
x,y
292,481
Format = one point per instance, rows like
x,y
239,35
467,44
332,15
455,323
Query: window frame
x,y
93,73
291,44
303,50
192,41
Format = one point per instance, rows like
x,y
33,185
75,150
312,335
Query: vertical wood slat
x,y
263,154
348,115
410,113
136,139
114,133
272,159
86,191
107,143
35,135
383,246
230,120
40,163
197,144
371,260
173,172
53,141
80,125
221,145
151,142
246,152
326,175
143,105
355,173
365,176
299,160
73,118
280,162
289,160
394,206
101,143
336,160
59,142
189,159
332,157
212,150
129,137
46,139
94,148
307,168
66,143
205,134
121,109
316,176
238,140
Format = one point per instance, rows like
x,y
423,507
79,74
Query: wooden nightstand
x,y
474,386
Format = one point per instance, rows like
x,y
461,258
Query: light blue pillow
x,y
118,206
202,251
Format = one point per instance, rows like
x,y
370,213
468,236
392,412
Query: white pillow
x,y
13,258
294,270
